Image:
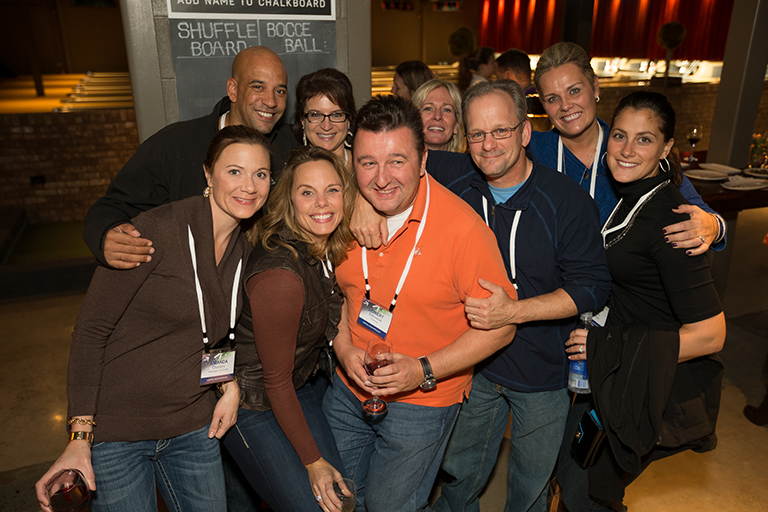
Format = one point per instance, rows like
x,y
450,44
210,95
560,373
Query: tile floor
x,y
734,477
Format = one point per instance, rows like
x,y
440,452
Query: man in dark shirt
x,y
169,165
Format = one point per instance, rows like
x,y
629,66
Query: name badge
x,y
375,318
600,318
218,366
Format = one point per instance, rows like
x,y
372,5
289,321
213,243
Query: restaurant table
x,y
728,203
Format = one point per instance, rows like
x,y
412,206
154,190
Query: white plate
x,y
705,175
757,173
720,167
739,183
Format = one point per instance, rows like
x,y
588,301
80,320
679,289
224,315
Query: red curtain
x,y
620,28
530,25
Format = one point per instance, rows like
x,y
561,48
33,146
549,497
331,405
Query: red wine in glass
x,y
68,491
378,355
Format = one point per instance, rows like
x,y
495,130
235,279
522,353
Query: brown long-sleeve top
x,y
137,345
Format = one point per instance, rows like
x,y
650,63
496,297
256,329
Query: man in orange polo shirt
x,y
439,249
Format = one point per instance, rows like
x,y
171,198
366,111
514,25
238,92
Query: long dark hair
x,y
663,111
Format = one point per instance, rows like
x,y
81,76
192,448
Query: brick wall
x,y
693,103
75,154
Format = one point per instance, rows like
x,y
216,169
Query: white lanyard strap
x,y
595,159
512,236
223,120
199,291
605,231
407,264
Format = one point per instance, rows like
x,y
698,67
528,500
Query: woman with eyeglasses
x,y
325,112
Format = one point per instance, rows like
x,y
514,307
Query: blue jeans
x,y
186,470
538,421
268,459
393,462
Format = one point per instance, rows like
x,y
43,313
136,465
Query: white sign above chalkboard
x,y
252,9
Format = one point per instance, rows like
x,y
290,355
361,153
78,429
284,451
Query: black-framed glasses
x,y
498,134
313,116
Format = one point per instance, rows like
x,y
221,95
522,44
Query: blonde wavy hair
x,y
280,213
458,143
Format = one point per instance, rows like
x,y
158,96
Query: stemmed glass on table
x,y
694,136
68,491
378,355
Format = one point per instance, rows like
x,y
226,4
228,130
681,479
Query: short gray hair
x,y
508,87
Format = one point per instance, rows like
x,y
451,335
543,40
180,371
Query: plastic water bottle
x,y
578,381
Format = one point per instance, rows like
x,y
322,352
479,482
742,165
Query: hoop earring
x,y
304,134
597,99
348,140
207,192
669,167
602,160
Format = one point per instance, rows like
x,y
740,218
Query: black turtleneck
x,y
652,281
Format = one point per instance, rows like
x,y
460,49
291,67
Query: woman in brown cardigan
x,y
135,371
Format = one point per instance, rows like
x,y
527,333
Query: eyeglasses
x,y
498,134
314,116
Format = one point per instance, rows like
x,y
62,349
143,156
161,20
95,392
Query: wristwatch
x,y
429,378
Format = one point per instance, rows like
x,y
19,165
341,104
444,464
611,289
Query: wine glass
x,y
378,355
347,502
694,136
68,491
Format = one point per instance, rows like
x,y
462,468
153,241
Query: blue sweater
x,y
558,245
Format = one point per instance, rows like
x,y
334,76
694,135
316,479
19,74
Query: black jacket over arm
x,y
651,406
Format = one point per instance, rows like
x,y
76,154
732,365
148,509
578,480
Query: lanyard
x,y
595,159
512,236
630,216
407,264
199,290
223,120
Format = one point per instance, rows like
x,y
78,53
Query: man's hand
x,y
351,358
404,373
368,226
493,312
124,248
687,234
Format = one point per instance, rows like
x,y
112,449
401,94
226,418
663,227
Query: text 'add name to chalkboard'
x,y
307,9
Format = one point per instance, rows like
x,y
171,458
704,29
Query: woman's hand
x,y
686,234
321,477
225,413
77,455
576,346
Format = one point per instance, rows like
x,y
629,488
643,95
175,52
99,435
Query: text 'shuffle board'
x,y
207,34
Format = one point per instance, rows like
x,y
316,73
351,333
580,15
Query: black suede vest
x,y
319,319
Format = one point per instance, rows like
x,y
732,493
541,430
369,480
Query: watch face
x,y
428,384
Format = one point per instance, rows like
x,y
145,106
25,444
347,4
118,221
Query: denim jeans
x,y
268,459
186,470
538,421
393,462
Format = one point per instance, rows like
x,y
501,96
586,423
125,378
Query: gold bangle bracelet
x,y
81,421
82,436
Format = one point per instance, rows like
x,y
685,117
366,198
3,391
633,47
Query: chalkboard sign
x,y
207,34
